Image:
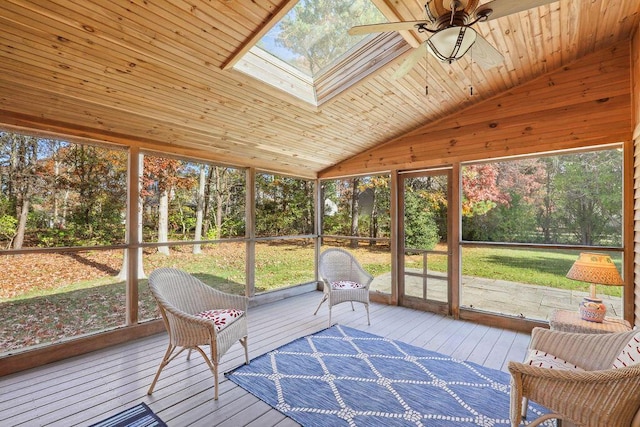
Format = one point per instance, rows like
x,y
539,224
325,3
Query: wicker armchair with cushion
x,y
344,280
585,379
198,315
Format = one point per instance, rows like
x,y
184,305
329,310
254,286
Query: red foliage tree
x,y
480,191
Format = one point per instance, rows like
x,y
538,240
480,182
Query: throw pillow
x,y
346,284
542,359
630,354
221,318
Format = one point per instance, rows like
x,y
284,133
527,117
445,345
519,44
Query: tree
x,y
199,207
514,219
19,158
284,206
374,204
480,192
160,178
96,178
590,206
355,212
224,194
425,199
317,30
547,207
420,228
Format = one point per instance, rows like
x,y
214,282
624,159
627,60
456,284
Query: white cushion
x,y
549,361
346,284
630,354
222,317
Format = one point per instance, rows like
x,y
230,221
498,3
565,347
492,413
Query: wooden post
x,y
396,270
250,232
319,210
453,244
133,237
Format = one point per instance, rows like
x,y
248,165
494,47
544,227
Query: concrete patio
x,y
500,296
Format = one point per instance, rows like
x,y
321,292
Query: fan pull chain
x,y
426,71
471,69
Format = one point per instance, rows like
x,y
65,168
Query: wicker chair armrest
x,y
219,299
184,317
576,376
362,277
608,397
589,351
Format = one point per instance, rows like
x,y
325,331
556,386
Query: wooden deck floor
x,y
89,388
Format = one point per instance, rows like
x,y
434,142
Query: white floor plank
x,y
89,388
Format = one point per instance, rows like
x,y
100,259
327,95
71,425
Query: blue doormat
x,y
137,416
346,377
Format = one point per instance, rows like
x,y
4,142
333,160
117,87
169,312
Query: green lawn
x,y
531,266
47,313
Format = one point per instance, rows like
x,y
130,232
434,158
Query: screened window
x,y
573,198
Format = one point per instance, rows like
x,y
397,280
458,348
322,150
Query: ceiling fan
x,y
449,22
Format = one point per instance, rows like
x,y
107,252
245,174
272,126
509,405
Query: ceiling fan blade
x,y
502,8
484,54
410,62
387,26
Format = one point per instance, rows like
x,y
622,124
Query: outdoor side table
x,y
570,321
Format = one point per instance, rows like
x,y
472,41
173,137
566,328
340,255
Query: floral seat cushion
x,y
221,317
346,284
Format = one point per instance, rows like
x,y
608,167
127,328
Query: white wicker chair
x,y
181,297
338,268
596,397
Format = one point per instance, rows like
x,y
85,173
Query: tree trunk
x,y
163,222
199,211
22,225
373,228
354,211
207,201
219,202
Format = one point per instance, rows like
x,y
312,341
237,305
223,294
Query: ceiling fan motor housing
x,y
457,19
441,8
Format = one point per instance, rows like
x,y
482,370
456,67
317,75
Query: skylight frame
x,y
362,59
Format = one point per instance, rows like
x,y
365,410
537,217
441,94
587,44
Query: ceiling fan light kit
x,y
451,44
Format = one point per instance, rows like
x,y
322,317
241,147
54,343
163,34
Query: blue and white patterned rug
x,y
346,377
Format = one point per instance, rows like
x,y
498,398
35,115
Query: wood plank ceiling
x,y
150,73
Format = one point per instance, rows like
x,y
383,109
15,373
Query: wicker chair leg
x,y
245,344
525,405
324,298
544,418
352,307
213,367
366,306
215,380
165,361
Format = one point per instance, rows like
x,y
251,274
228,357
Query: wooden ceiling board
x,y
150,73
584,103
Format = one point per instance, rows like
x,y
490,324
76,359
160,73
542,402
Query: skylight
x,y
313,35
309,53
